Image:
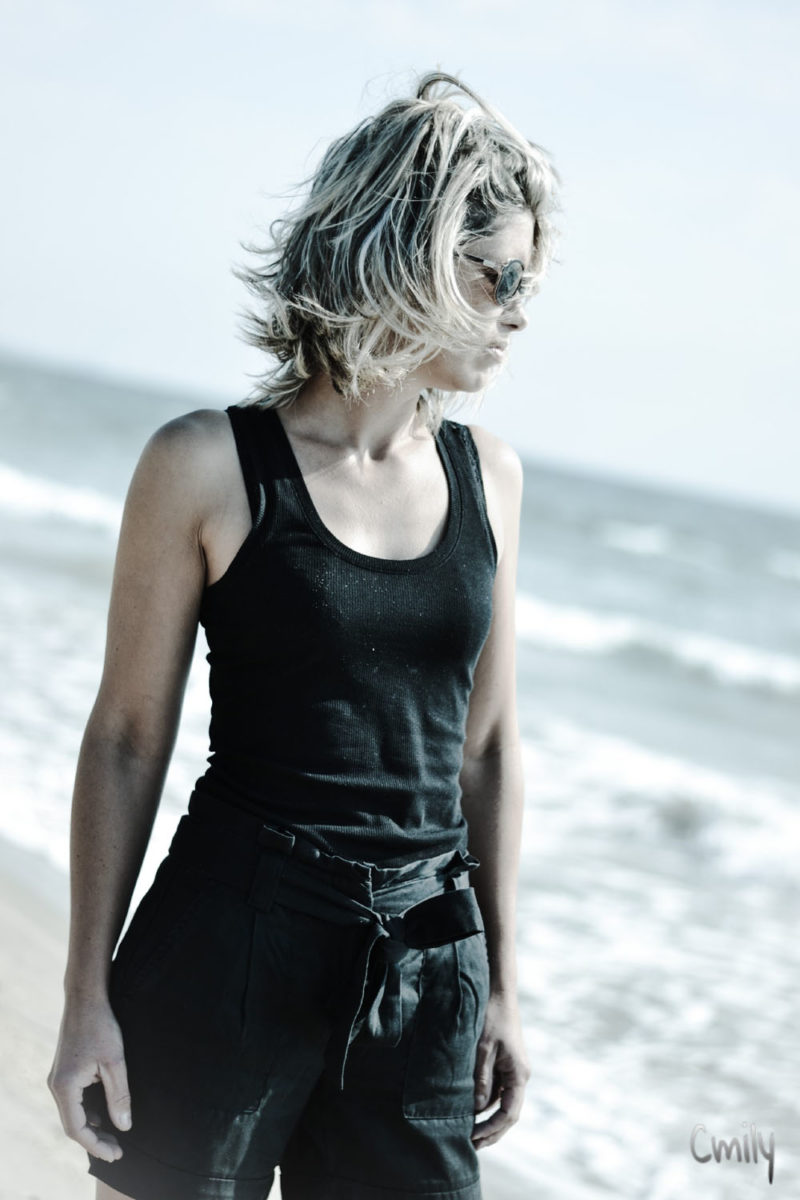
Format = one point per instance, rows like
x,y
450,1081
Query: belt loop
x,y
276,839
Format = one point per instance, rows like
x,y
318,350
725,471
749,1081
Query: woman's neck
x,y
370,428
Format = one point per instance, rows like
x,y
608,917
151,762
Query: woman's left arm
x,y
492,800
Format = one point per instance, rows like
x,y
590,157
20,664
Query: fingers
x,y
501,1073
486,1087
486,1133
84,1122
118,1100
89,1079
80,1125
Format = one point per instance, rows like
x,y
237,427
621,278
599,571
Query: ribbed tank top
x,y
340,681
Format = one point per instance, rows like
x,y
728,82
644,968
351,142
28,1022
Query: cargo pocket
x,y
453,992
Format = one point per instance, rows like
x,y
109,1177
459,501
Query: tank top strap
x,y
260,453
267,466
461,445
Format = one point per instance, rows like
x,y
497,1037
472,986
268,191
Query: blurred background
x,y
654,401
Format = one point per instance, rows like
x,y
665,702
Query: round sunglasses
x,y
512,279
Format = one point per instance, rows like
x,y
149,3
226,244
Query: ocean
x,y
658,683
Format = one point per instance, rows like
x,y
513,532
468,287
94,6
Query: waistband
x,y
263,861
353,876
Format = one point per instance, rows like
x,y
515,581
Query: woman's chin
x,y
472,381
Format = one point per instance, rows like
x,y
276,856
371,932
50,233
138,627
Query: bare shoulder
x,y
191,457
501,465
501,469
193,438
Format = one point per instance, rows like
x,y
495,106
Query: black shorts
x,y
282,1006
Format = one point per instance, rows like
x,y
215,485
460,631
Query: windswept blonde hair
x,y
360,281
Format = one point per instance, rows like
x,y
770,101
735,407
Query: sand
x,y
39,1162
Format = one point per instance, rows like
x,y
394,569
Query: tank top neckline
x,y
441,551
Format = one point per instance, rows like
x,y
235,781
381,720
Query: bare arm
x,y
158,582
492,788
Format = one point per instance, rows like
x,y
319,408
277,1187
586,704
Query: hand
x,y
90,1051
501,1070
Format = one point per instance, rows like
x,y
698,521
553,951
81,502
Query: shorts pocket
x,y
157,927
453,992
208,990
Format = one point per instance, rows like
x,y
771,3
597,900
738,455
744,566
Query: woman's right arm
x,y
159,577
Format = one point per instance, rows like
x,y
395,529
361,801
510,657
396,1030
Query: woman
x,y
310,981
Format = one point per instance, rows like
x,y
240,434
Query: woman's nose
x,y
514,316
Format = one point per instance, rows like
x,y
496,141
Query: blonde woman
x,y
322,974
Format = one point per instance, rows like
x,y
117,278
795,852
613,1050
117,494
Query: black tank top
x,y
340,681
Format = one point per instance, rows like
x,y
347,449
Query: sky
x,y
143,143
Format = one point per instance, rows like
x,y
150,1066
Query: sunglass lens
x,y
509,281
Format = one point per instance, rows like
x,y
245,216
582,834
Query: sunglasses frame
x,y
523,287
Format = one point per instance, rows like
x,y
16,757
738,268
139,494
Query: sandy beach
x,y
39,1161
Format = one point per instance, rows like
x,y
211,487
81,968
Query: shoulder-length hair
x,y
359,282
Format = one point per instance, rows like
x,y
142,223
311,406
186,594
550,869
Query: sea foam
x,y
31,496
587,631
